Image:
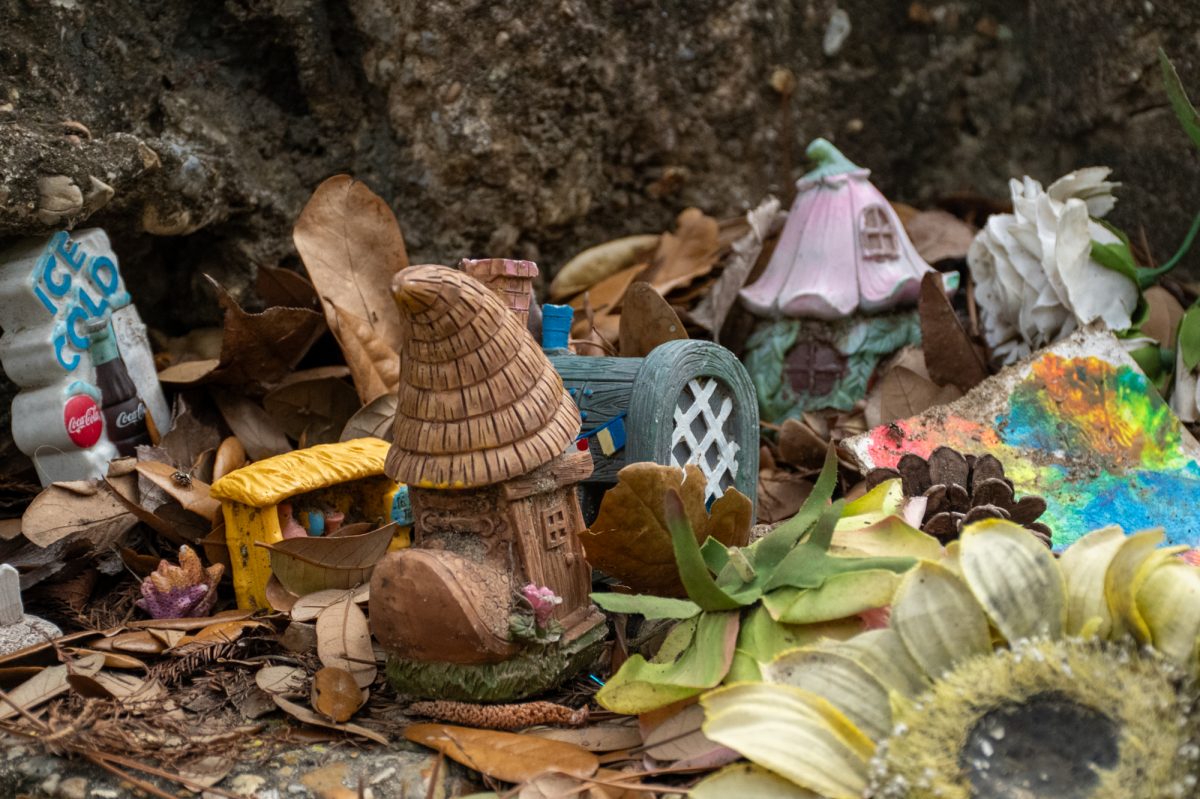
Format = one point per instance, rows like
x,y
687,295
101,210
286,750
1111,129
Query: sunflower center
x,y
1046,745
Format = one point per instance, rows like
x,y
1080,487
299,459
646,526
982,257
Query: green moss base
x,y
535,670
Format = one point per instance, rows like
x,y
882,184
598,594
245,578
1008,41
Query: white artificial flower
x,y
1035,280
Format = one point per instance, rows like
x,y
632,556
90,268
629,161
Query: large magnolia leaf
x,y
311,564
352,246
630,539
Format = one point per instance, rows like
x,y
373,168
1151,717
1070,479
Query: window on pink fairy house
x,y
554,523
876,235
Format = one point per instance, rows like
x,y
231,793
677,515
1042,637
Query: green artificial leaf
x,y
716,554
1118,258
840,596
762,639
652,607
1188,117
775,545
1149,360
1189,337
809,564
640,685
693,571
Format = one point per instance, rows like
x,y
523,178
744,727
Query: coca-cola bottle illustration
x,y
124,411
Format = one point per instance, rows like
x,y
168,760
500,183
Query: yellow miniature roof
x,y
269,482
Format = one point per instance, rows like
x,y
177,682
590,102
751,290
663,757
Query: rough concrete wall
x,y
541,126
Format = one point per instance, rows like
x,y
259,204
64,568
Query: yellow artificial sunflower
x,y
1004,672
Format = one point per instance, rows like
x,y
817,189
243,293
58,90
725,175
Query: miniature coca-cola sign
x,y
82,417
53,291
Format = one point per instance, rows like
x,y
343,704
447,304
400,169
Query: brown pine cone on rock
x,y
961,489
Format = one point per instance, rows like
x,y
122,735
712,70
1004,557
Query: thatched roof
x,y
478,401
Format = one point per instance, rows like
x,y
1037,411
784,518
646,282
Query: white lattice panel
x,y
703,436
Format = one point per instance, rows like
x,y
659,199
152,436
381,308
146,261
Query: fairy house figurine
x,y
485,439
837,295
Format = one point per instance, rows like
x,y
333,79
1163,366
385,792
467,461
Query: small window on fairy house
x,y
814,368
554,523
876,235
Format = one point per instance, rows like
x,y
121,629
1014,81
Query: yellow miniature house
x,y
347,476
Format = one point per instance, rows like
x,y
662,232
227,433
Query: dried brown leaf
x,y
307,716
374,366
206,771
373,420
761,223
285,288
688,253
588,268
506,756
680,739
189,439
192,493
780,494
647,320
112,660
629,539
278,597
189,372
307,608
223,632
47,684
307,565
801,445
950,358
605,297
231,456
281,679
1163,316
81,509
189,624
335,694
316,410
257,349
344,641
352,246
253,426
902,393
604,736
939,235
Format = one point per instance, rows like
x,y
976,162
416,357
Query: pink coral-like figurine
x,y
842,250
183,591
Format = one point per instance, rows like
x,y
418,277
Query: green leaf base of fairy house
x,y
533,671
852,349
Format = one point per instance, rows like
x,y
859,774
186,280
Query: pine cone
x,y
962,489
